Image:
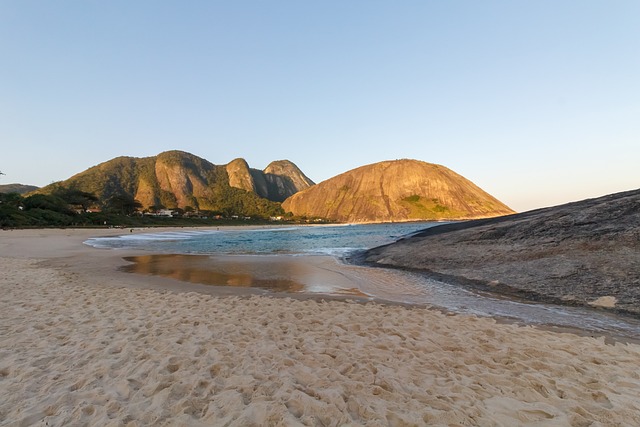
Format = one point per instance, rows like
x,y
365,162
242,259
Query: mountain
x,y
279,180
399,190
284,179
17,188
176,179
584,253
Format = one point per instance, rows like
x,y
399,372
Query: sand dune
x,y
79,353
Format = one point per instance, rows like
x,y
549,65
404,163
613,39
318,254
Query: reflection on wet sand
x,y
273,273
202,269
324,275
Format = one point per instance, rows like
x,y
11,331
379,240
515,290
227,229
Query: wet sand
x,y
82,343
273,273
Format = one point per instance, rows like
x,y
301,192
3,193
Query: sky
x,y
536,102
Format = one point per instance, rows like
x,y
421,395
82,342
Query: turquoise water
x,y
307,240
233,254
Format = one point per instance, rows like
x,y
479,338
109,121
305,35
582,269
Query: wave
x,y
132,239
333,240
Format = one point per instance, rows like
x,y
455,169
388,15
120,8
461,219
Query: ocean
x,y
334,240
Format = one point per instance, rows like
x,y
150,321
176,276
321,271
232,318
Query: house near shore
x,y
80,209
165,213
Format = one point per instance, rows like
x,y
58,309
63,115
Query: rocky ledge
x,y
582,253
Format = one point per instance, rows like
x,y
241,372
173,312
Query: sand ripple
x,y
74,353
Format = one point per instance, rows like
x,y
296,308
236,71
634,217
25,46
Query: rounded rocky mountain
x,y
399,190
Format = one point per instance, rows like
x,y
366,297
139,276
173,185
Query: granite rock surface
x,y
395,190
582,253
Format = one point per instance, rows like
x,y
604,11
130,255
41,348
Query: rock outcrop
x,y
240,175
279,180
585,253
284,179
400,190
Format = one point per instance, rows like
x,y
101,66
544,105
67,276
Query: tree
x,y
123,204
77,197
11,199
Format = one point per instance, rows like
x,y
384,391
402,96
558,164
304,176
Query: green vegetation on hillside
x,y
69,203
131,191
35,210
431,209
166,181
231,201
116,177
65,209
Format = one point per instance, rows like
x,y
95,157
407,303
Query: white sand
x,y
77,350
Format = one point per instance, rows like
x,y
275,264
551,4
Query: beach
x,y
82,343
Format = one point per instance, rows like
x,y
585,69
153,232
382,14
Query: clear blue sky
x,y
536,102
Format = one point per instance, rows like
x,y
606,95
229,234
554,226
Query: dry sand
x,y
81,344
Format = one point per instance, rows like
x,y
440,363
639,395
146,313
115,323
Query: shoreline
x,y
84,344
583,253
68,253
499,289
